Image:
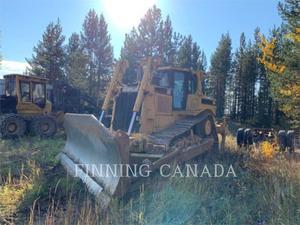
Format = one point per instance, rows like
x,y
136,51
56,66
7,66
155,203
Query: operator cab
x,y
177,83
172,87
22,90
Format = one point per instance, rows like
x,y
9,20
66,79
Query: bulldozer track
x,y
167,136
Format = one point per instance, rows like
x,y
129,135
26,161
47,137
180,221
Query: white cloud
x,y
8,67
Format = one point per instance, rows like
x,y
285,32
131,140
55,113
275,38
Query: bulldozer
x,y
24,107
164,118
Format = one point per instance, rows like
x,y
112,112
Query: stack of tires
x,y
286,140
244,137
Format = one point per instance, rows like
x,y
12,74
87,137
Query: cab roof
x,y
13,75
165,68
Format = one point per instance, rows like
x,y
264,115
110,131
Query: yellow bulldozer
x,y
24,107
164,118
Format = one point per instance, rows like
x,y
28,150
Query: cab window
x,y
184,83
39,94
191,84
179,95
10,87
25,91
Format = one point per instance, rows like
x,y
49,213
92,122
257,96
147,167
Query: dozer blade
x,y
90,150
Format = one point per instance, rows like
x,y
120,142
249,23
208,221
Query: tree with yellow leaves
x,y
281,58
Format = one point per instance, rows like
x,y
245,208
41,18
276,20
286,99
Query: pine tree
x,y
96,43
229,91
49,55
249,78
104,55
219,71
89,40
76,63
132,53
190,56
241,60
245,71
240,84
153,37
202,61
150,31
176,44
265,104
165,45
185,53
290,13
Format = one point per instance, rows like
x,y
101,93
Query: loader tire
x,y
282,140
240,137
13,126
290,140
44,126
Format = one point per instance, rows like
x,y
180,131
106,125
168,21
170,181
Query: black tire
x,y
245,140
13,126
44,126
282,140
248,136
240,137
290,140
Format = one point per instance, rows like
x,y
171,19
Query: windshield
x,y
39,93
10,87
25,91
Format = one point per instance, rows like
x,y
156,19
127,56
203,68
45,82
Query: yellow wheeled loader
x,y
24,107
164,118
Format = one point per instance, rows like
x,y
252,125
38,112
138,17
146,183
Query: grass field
x,y
35,189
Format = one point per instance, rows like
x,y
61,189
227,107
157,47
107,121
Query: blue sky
x,y
22,22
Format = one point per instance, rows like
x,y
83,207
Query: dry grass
x,y
230,143
266,191
13,190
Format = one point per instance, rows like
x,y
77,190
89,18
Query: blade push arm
x,y
118,74
145,81
147,69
